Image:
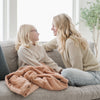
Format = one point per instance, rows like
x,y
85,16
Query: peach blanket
x,y
28,78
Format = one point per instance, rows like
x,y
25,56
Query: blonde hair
x,y
23,36
65,30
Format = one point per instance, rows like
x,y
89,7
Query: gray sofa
x,y
91,92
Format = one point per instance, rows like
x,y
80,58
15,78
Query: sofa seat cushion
x,y
71,93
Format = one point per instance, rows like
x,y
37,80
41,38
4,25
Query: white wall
x,y
83,28
12,19
9,19
1,20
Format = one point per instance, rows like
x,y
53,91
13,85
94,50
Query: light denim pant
x,y
78,77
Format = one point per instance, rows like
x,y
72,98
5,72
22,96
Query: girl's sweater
x,y
35,55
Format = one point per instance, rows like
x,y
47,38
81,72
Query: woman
x,y
82,66
29,52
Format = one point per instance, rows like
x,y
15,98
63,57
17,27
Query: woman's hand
x,y
60,71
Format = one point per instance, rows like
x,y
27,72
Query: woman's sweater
x,y
35,55
75,56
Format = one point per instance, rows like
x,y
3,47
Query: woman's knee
x,y
71,73
78,77
67,72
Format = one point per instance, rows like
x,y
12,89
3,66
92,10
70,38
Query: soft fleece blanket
x,y
28,78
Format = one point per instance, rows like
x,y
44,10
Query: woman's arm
x,y
49,46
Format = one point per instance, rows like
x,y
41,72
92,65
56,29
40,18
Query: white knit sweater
x,y
35,55
75,56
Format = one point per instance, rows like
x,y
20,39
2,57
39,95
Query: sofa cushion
x,y
56,57
71,93
10,54
3,66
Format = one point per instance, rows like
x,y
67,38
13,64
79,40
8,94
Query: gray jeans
x,y
78,77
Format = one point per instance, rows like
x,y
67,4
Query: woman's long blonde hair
x,y
23,36
65,30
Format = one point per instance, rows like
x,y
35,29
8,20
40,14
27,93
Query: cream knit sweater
x,y
75,56
35,55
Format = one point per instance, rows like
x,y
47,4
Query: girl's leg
x,y
78,77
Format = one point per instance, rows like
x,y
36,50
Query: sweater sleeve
x,y
49,46
75,55
51,63
26,57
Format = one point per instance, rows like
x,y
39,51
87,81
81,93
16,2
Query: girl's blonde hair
x,y
23,36
65,30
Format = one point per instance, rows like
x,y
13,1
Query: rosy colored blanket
x,y
28,78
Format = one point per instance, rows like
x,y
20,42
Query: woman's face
x,y
34,35
54,29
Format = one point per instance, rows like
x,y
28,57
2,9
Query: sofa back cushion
x,y
11,57
10,54
56,57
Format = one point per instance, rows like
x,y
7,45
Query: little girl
x,y
29,52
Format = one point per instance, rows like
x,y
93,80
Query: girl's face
x,y
34,35
54,29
